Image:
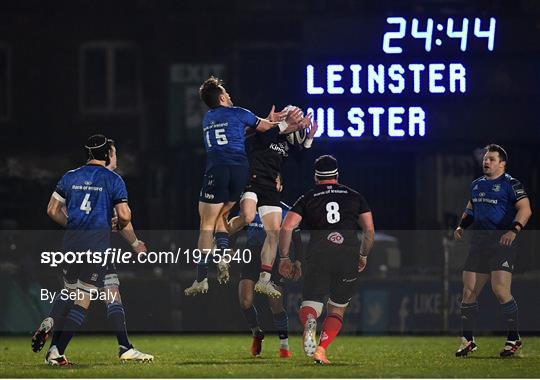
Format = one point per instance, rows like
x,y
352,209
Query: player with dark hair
x,y
267,153
115,309
498,210
333,213
249,274
90,194
227,168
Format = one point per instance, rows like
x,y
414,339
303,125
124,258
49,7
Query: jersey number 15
x,y
221,138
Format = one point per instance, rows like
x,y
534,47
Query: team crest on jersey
x,y
496,187
335,237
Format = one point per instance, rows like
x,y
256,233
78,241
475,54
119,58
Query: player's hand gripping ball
x,y
299,136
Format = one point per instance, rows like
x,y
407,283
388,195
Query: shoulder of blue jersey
x,y
73,171
114,174
236,108
512,180
478,180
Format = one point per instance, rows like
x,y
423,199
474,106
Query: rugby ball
x,y
296,138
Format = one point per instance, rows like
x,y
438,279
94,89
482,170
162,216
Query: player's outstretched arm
x,y
55,210
296,120
311,134
365,220
286,121
467,218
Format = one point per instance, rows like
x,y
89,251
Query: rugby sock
x,y
73,322
469,313
510,312
251,316
265,276
202,270
222,240
330,329
281,323
116,314
305,313
58,313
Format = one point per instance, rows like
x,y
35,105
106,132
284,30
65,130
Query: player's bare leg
x,y
272,223
281,323
221,240
329,331
473,283
245,297
501,282
208,214
248,210
116,314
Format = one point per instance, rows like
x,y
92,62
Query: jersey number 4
x,y
221,137
332,212
85,205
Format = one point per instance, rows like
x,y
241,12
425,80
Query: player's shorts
x,y
268,199
489,257
251,270
84,276
330,270
223,183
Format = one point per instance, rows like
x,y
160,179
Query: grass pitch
x,y
205,356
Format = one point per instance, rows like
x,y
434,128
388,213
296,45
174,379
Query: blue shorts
x,y
84,276
223,183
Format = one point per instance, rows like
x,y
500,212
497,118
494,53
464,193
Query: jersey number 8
x,y
332,212
221,137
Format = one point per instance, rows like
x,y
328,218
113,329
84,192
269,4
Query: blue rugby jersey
x,y
90,194
223,132
493,202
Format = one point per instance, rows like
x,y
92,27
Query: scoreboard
x,y
422,78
